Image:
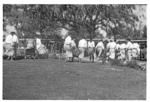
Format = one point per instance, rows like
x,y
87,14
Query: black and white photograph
x,y
74,51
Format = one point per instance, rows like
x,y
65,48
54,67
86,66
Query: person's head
x,y
38,35
13,33
111,40
90,39
100,40
128,39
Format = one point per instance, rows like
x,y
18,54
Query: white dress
x,y
122,51
67,46
82,47
135,50
99,48
112,47
129,47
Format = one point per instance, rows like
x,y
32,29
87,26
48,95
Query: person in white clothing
x,y
38,42
82,45
15,41
111,48
75,50
135,50
68,48
9,39
73,44
129,47
91,49
99,47
122,56
8,46
40,48
117,53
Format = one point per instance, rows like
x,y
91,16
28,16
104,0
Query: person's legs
x,y
93,57
99,54
81,55
129,56
15,50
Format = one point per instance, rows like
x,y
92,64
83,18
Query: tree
x,y
80,20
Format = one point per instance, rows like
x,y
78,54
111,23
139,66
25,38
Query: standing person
x,y
111,47
135,50
129,47
117,52
15,43
122,56
40,48
38,40
82,45
91,49
75,50
8,45
68,48
99,47
104,52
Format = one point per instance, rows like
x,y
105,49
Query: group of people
x,y
105,50
11,42
10,45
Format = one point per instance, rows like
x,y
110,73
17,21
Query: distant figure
x,y
135,50
91,49
105,51
8,46
129,47
117,52
99,47
68,48
75,50
41,49
82,47
122,52
111,49
15,43
38,42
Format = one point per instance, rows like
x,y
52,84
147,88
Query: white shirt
x,y
38,43
9,39
82,43
136,46
15,39
117,46
91,44
111,45
100,44
73,44
123,46
129,45
68,40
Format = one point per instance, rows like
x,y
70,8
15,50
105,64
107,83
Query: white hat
x,y
38,33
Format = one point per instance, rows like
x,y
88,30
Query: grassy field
x,y
56,80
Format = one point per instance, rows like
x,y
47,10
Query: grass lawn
x,y
56,80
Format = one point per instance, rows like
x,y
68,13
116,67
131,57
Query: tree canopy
x,y
80,20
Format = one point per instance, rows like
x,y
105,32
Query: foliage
x,y
80,20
